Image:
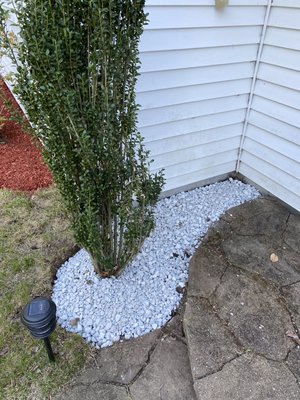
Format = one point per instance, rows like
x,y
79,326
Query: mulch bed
x,y
21,164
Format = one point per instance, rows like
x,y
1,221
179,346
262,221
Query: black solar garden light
x,y
39,316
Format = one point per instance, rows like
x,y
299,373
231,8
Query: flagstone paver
x,y
245,275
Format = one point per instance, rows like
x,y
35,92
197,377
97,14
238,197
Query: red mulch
x,y
21,165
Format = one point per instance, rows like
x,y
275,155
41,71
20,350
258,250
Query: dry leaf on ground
x,y
273,257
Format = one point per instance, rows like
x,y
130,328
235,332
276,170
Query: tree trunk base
x,y
116,271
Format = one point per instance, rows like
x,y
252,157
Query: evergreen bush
x,y
77,68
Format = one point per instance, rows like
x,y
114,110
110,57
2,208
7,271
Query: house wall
x,y
196,74
6,66
271,151
208,106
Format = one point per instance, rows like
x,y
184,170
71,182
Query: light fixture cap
x,y
39,316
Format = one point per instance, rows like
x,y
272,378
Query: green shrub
x,y
77,68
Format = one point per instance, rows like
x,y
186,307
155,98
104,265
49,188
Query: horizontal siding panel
x,y
286,3
195,152
198,176
276,110
6,66
195,139
283,179
280,76
193,76
280,144
287,38
282,57
280,94
273,125
180,39
270,184
274,157
167,97
198,124
205,2
179,59
161,115
283,17
196,165
189,17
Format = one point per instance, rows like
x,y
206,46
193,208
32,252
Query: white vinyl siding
x,y
201,100
197,66
271,150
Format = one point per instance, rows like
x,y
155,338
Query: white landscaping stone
x,y
145,295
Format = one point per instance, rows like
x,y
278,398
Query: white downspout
x,y
259,53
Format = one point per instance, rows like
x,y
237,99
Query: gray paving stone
x,y
249,377
259,217
218,231
97,391
292,297
255,314
210,343
121,362
292,233
291,258
253,254
205,271
293,362
174,327
167,376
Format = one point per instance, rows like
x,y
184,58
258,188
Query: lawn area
x,y
34,240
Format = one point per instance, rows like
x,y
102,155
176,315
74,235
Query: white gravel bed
x,y
144,296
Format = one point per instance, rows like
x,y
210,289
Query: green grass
x,y
34,240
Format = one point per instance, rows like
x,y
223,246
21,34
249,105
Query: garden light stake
x,y
39,316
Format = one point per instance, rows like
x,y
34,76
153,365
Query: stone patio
x,y
236,335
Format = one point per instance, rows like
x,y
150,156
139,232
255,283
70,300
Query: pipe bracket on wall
x,y
221,3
